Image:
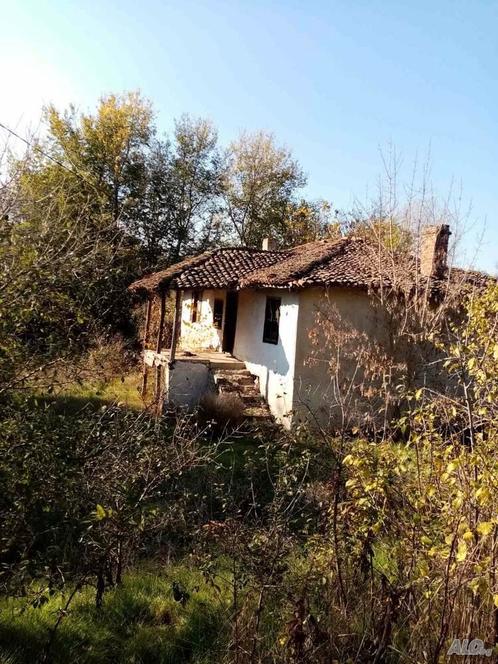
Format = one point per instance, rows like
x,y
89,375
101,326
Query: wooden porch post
x,y
157,391
176,328
146,339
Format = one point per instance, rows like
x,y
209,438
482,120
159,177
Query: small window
x,y
218,313
195,307
272,319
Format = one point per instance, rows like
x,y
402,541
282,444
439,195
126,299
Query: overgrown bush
x,y
82,496
222,409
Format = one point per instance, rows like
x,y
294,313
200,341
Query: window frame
x,y
270,337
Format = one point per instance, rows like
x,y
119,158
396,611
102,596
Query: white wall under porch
x,y
273,364
201,334
191,375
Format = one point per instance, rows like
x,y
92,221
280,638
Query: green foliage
x,y
306,222
140,621
259,183
295,548
82,494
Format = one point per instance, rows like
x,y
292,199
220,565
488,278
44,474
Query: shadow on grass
x,y
70,405
92,397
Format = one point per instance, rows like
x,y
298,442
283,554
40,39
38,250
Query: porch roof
x,y
218,268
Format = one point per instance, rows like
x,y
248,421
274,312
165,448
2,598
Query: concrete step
x,y
227,365
233,372
244,392
227,388
238,379
244,385
233,375
251,391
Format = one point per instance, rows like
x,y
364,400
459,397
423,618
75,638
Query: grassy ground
x,y
123,390
139,622
94,394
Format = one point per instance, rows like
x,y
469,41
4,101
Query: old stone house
x,y
251,320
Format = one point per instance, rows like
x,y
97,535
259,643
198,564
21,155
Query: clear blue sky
x,y
335,81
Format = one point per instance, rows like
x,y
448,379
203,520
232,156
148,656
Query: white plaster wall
x,y
315,395
201,334
273,364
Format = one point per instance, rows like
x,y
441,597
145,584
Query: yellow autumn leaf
x,y
461,551
483,495
485,528
495,600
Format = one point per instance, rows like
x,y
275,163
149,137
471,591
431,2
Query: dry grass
x,y
223,409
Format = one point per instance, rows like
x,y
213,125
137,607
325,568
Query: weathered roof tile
x,y
219,268
351,261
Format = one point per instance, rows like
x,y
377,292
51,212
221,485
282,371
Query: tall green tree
x,y
180,207
76,193
260,182
107,151
55,281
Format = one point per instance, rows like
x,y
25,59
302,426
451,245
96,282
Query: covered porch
x,y
187,332
214,359
192,317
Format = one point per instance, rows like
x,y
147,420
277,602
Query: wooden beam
x,y
161,323
158,391
159,343
176,327
146,339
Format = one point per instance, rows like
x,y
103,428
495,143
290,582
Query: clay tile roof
x,y
470,278
347,261
219,268
155,281
351,261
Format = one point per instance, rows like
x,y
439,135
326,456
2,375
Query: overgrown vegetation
x,y
128,538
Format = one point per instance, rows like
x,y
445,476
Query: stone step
x,y
228,388
233,372
251,399
227,365
258,413
250,391
244,385
244,391
239,379
239,371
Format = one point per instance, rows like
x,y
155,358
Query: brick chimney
x,y
268,244
434,250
